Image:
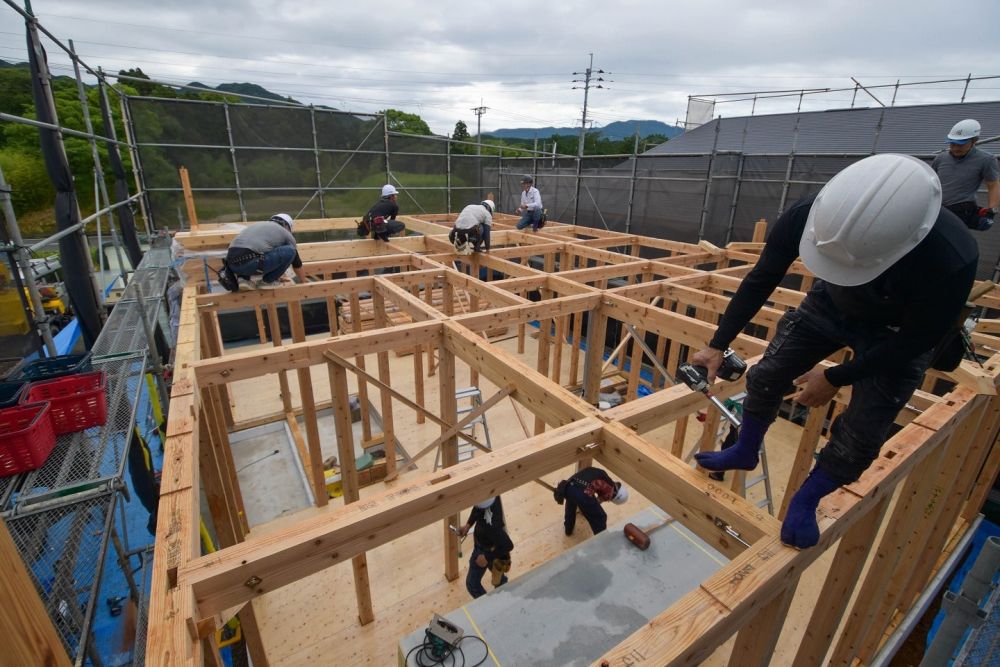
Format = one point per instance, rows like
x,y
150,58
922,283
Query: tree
x,y
407,123
461,132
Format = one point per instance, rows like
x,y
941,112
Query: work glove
x,y
985,219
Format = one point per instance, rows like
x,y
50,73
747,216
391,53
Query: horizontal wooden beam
x,y
268,562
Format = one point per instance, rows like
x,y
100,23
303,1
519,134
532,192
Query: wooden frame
x,y
434,302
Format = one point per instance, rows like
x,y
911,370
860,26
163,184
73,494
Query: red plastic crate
x,y
77,401
26,437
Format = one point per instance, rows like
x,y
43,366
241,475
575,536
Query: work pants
x,y
805,337
272,264
530,217
474,579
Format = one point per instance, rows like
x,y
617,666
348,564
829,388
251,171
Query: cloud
x,y
517,57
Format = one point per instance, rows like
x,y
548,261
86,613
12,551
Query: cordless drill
x,y
696,378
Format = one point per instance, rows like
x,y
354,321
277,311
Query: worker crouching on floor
x,y
472,228
895,270
492,545
587,489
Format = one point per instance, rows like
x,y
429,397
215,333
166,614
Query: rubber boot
x,y
744,455
800,529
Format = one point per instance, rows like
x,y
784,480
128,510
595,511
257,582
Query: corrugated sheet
x,y
912,129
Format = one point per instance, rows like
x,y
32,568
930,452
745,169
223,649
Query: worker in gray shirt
x,y
262,252
961,170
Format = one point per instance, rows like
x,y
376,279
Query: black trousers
x,y
804,338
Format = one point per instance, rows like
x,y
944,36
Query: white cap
x,y
964,130
283,218
486,503
488,203
868,216
389,189
621,495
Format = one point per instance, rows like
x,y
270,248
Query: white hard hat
x,y
485,505
963,131
389,190
488,203
868,216
283,219
621,495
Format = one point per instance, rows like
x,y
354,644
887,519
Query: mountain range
x,y
617,130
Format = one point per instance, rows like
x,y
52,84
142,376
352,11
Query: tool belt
x,y
240,256
498,568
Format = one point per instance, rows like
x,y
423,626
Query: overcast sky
x,y
441,59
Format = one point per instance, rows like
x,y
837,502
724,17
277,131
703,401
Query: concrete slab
x,y
269,472
571,610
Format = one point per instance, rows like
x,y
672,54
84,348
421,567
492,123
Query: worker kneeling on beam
x,y
491,545
586,490
894,269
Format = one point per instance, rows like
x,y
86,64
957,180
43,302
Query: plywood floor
x,y
314,621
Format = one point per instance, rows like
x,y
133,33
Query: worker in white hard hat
x,y
531,205
472,227
380,220
962,169
895,269
491,545
260,255
586,490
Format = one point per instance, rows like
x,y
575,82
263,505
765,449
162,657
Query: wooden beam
x,y
267,562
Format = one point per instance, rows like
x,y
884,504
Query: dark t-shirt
x,y
922,294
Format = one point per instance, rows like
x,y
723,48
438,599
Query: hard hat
x,y
527,179
621,494
389,190
868,216
488,203
485,505
963,131
283,219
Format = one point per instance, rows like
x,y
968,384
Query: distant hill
x,y
616,130
244,89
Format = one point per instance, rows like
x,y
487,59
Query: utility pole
x,y
589,81
479,111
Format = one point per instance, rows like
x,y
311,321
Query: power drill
x,y
696,378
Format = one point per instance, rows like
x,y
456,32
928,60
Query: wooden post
x,y
314,463
389,440
759,231
449,452
349,481
366,422
188,198
418,369
29,636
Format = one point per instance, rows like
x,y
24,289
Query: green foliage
x,y
461,132
408,123
30,186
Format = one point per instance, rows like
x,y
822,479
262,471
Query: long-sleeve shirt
x,y
386,208
595,482
531,199
261,238
920,296
490,533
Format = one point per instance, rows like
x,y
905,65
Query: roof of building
x,y
914,130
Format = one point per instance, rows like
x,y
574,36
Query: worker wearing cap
x,y
586,490
491,545
382,216
962,169
262,252
472,227
531,204
895,269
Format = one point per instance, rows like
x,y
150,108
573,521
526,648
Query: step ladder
x,y
466,450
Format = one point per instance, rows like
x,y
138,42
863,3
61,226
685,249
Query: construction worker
x,y
491,545
260,254
531,204
895,269
381,217
962,169
472,227
586,490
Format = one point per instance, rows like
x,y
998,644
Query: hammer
x,y
639,537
